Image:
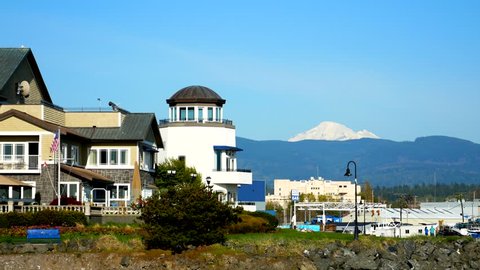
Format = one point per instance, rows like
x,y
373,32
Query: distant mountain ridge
x,y
381,162
331,131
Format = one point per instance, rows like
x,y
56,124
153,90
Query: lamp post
x,y
193,175
208,183
348,173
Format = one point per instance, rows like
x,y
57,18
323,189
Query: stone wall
x,y
462,253
46,182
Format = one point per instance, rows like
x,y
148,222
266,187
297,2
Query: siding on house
x,y
90,119
54,116
33,110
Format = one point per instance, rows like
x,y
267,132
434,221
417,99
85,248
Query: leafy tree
x,y
173,172
184,215
325,198
307,197
367,192
277,207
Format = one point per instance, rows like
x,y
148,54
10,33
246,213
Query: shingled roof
x,y
195,94
135,127
10,60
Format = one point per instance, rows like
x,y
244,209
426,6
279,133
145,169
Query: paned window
x,y
191,113
183,114
108,157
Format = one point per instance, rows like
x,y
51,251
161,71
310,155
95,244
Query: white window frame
x,y
34,189
117,186
68,183
75,154
64,152
13,159
108,164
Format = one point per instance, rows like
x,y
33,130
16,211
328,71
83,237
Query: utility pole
x,y
473,202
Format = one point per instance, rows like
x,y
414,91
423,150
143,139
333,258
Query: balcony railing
x,y
19,163
237,177
164,122
236,170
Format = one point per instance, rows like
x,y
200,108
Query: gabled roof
x,y
10,60
134,127
38,122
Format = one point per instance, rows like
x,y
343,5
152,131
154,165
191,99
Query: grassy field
x,y
282,241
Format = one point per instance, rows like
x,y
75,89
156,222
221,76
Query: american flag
x,y
55,143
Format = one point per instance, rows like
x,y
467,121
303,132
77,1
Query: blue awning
x,y
226,148
149,148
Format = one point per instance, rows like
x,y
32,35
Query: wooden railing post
x,y
10,206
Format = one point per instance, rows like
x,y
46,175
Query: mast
x,y
58,167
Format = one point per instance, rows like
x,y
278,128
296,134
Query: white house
x,y
197,133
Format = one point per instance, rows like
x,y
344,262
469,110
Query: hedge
x,y
42,218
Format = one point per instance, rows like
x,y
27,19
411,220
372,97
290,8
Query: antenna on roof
x,y
115,108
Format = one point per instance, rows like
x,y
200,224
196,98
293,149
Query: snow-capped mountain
x,y
331,131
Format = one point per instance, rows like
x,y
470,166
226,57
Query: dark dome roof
x,y
195,94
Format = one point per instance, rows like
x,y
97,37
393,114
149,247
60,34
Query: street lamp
x,y
208,183
348,173
193,175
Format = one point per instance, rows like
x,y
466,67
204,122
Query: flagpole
x,y
58,164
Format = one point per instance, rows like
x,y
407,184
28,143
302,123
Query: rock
x,y
125,262
361,262
409,247
475,264
413,264
321,263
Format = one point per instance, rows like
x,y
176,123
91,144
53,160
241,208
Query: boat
x,y
474,232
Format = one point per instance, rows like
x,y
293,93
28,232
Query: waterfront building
x,y
105,156
342,191
197,133
252,197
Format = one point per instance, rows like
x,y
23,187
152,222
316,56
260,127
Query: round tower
x,y
197,133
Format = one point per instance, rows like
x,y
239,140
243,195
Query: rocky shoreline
x,y
462,253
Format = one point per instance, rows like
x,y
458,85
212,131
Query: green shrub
x,y
185,215
254,222
42,218
272,220
249,224
11,219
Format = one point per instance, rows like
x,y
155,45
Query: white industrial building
x,y
197,132
342,191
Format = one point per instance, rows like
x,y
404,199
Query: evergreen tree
x,y
185,215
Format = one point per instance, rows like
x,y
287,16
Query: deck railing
x,y
123,211
36,208
86,209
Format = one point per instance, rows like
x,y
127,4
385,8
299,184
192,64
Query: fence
x,y
86,209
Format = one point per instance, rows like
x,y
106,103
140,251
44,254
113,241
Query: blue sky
x,y
401,69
